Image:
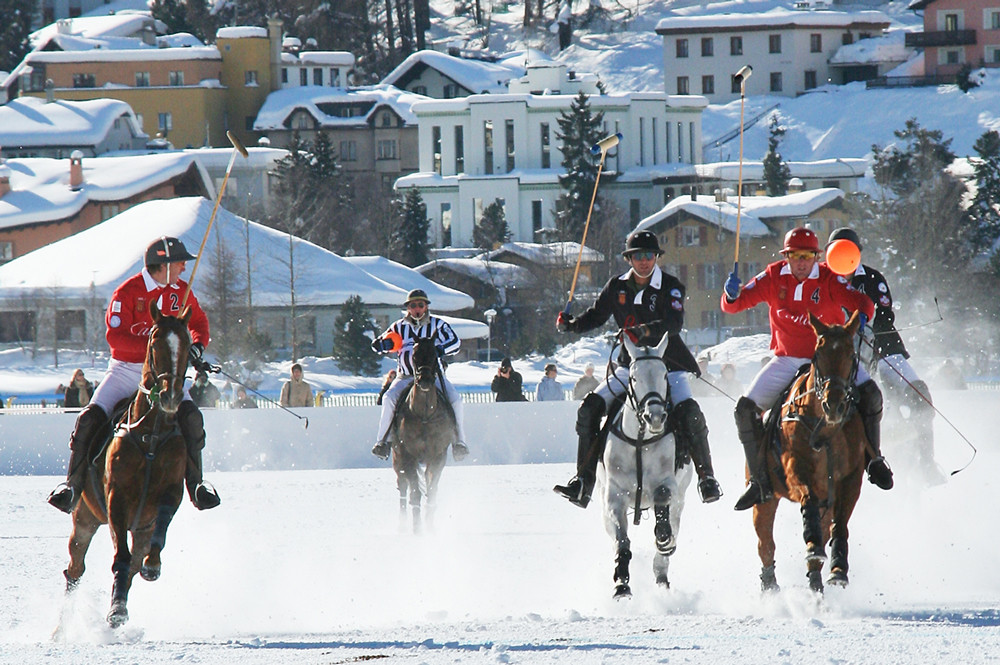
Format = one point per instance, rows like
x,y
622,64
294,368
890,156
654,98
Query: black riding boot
x,y
870,408
751,433
691,426
193,429
90,421
588,453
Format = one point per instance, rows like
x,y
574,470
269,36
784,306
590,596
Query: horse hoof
x,y
768,581
661,580
815,581
837,578
622,592
150,573
118,615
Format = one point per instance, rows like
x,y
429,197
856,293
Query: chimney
x,y
148,35
274,26
4,179
50,94
76,170
64,26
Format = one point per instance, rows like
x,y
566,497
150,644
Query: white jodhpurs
x,y
391,398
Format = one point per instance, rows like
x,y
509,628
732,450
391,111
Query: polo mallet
x,y
742,77
237,148
601,148
263,397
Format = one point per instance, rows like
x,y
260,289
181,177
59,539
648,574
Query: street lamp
x,y
490,313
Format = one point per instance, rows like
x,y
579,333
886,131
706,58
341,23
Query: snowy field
x,y
313,566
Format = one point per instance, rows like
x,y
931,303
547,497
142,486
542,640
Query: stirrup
x,y
381,449
204,497
709,490
575,491
63,498
753,496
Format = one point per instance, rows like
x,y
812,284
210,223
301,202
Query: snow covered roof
x,y
754,210
40,189
240,32
30,121
475,75
552,254
777,17
133,53
321,277
497,273
848,167
884,48
321,101
444,298
123,24
338,58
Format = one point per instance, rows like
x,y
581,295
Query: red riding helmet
x,y
801,239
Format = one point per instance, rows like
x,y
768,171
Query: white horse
x,y
639,462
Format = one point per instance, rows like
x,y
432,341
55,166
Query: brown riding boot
x,y
751,432
90,421
189,418
691,425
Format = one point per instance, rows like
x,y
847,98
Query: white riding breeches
x,y
391,398
121,380
775,376
896,373
616,385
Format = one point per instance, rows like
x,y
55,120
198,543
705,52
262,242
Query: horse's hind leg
x,y
763,524
85,525
814,535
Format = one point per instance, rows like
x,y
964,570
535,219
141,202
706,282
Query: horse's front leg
x,y
432,477
848,491
813,534
666,540
763,524
151,564
616,524
85,525
122,564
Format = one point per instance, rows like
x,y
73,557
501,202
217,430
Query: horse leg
x,y
415,497
85,525
432,475
763,524
151,564
813,534
848,492
663,532
121,566
616,524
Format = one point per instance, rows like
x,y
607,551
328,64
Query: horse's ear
x,y
629,344
817,325
186,314
661,348
854,322
154,312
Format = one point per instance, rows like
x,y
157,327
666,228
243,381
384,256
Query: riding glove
x,y
564,322
195,357
732,287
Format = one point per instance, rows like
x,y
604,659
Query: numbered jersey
x,y
129,320
826,295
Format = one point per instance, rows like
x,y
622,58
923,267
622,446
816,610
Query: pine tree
x,y
579,129
776,171
411,238
351,345
985,208
492,230
15,26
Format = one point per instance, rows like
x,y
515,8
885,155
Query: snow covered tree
x,y
579,129
15,26
776,171
411,237
491,231
351,345
985,208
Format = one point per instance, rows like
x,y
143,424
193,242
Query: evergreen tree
x,y
411,238
579,129
492,230
985,208
351,345
776,171
15,26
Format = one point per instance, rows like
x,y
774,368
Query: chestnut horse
x,y
141,483
822,458
425,427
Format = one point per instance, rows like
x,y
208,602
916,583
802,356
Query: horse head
x,y
166,359
425,363
648,383
834,366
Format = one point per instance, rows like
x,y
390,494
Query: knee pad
x,y
869,399
748,424
689,417
192,424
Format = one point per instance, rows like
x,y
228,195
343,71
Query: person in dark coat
x,y
203,392
507,383
78,392
646,303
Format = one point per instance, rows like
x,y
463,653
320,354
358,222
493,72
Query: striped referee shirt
x,y
437,329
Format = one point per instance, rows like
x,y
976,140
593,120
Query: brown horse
x,y
822,458
425,427
143,475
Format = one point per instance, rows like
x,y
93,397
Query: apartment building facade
x,y
957,33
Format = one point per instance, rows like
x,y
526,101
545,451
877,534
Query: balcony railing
x,y
908,81
941,38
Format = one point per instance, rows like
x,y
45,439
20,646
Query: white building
x,y
322,68
789,51
484,147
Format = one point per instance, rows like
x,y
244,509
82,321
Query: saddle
x,y
446,408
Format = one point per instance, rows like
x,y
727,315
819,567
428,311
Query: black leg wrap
x,y
812,530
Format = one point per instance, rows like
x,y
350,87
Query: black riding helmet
x,y
642,241
844,233
166,250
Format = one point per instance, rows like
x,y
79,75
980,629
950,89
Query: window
x,y
420,89
994,21
70,325
250,78
436,148
774,43
707,47
165,122
176,78
815,43
348,151
446,225
109,210
7,251
303,77
634,211
17,327
536,215
666,142
84,81
952,57
335,76
509,136
994,54
682,85
708,85
847,38
682,48
810,82
951,22
386,149
459,150
248,121
450,91
302,120
775,81
735,46
488,147
317,76
142,79
387,119
710,276
546,146
689,236
711,318
284,74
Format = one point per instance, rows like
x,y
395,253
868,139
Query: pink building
x,y
956,33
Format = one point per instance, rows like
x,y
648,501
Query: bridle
x,y
651,398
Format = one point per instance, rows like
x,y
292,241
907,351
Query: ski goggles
x,y
801,255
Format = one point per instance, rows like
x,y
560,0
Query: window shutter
x,y
701,276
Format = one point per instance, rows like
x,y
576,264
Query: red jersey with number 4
x,y
829,297
129,321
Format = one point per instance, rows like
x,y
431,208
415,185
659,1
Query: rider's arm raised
x,y
597,314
